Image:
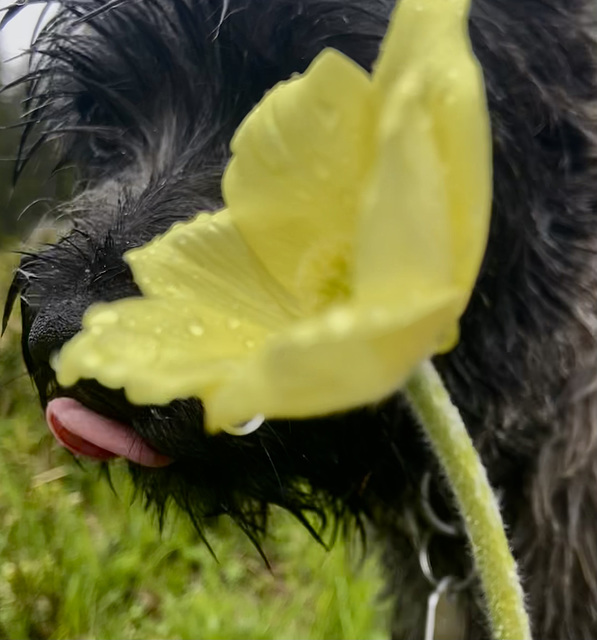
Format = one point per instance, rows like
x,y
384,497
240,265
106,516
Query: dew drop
x,y
107,317
340,322
247,427
92,360
158,331
250,344
233,323
196,330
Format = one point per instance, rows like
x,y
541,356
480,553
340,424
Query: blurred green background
x,y
79,559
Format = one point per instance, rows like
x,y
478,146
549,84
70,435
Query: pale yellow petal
x,y
458,106
206,263
427,60
158,350
209,303
418,32
404,251
345,358
298,165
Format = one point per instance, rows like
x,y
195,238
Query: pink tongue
x,y
86,433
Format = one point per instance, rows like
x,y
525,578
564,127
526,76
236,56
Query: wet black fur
x,y
143,96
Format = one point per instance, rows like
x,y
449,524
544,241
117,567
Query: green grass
x,y
78,560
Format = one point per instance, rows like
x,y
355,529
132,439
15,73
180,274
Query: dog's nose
x,y
51,328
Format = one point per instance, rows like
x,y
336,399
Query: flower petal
x,y
298,164
209,302
206,263
157,350
404,249
342,359
418,31
457,102
224,313
427,64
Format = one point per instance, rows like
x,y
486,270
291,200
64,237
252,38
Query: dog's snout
x,y
50,329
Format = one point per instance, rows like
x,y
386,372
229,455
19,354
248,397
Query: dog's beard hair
x,y
143,98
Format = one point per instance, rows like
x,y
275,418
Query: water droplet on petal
x,y
233,323
158,331
247,427
107,317
250,344
92,360
196,330
341,322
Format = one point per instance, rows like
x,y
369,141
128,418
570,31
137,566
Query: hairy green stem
x,y
466,475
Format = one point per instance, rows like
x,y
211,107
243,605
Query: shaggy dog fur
x,y
143,96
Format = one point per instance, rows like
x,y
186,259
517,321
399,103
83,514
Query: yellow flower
x,y
357,209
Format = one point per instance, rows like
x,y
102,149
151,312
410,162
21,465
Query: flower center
x,y
325,275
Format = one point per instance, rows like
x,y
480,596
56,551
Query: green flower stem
x,y
495,565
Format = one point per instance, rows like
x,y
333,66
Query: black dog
x,y
143,97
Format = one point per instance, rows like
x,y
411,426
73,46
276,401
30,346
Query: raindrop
x,y
92,359
196,329
107,317
246,428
